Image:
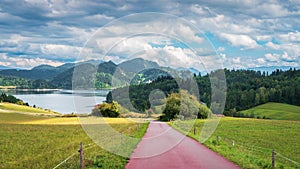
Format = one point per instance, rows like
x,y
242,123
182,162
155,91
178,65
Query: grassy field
x,y
253,140
17,118
23,109
29,141
278,111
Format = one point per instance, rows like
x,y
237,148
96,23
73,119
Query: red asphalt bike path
x,y
165,148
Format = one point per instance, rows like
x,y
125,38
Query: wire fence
x,y
88,146
262,150
257,153
288,159
122,138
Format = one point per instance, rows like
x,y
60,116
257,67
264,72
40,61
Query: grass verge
x,y
253,141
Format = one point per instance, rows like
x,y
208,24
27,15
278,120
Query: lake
x,y
62,101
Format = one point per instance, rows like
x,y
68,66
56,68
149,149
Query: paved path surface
x,y
165,148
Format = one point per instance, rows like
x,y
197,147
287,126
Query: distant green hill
x,y
279,111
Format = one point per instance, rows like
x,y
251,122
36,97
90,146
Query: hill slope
x,y
14,108
278,111
39,72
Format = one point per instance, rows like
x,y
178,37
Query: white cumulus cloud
x,y
244,41
23,62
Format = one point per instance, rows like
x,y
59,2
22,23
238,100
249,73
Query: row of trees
x,y
11,99
245,89
136,97
25,83
176,105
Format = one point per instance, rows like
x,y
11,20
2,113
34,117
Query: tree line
x,y
245,89
24,83
11,99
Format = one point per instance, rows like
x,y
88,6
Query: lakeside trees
x,y
11,99
24,83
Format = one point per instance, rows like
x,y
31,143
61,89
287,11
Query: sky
x,y
241,33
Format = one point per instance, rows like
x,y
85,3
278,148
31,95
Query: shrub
x,y
203,112
164,118
106,110
185,105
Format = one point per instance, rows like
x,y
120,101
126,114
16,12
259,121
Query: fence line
x,y
65,160
252,148
257,148
248,145
288,159
88,147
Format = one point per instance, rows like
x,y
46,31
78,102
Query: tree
x,y
172,107
184,105
106,110
109,98
11,99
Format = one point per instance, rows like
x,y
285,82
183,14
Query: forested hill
x,y
45,76
245,89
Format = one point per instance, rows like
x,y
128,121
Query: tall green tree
x,y
183,105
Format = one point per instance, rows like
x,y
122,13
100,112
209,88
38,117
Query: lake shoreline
x,y
61,100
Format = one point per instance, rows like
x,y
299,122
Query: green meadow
x,y
36,140
44,144
278,111
249,142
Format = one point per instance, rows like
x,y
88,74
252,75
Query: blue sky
x,y
244,33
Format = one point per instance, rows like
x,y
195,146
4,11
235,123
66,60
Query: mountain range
x,y
97,74
90,74
4,67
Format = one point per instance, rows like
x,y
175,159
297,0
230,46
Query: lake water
x,y
62,101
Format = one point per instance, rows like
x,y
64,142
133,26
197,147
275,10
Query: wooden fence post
x,y
194,130
81,156
273,159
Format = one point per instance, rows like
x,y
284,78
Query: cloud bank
x,y
244,33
